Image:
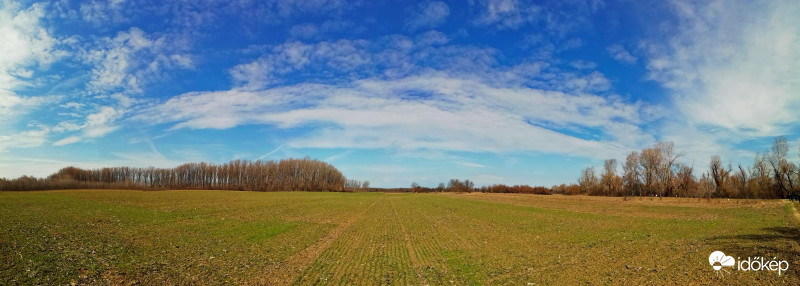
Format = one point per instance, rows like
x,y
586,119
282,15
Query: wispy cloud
x,y
331,159
403,93
507,13
67,141
104,13
471,164
734,66
132,59
26,139
270,152
619,53
26,46
100,123
447,113
428,15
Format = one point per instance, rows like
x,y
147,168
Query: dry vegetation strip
x,y
217,237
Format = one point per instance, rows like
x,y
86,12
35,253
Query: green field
x,y
226,237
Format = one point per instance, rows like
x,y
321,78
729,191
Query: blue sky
x,y
497,91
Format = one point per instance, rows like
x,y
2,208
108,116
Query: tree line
x,y
467,186
656,171
653,171
285,175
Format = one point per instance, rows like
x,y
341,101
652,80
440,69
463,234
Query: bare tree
x,y
761,183
455,185
651,161
669,159
739,181
783,170
611,183
588,181
720,176
631,174
685,181
705,187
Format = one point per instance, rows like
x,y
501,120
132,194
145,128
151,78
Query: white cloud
x,y
432,38
25,45
76,105
619,53
732,65
336,57
66,126
67,141
132,59
253,75
387,93
26,139
431,111
428,15
12,105
304,31
102,13
102,122
398,56
509,14
471,164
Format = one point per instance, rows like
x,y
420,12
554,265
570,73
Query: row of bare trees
x,y
516,189
467,186
284,175
353,185
656,171
454,185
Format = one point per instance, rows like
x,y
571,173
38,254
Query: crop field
x,y
227,237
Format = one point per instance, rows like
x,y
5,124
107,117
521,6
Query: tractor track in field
x,y
414,260
288,271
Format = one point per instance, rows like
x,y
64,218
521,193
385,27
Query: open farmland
x,y
224,237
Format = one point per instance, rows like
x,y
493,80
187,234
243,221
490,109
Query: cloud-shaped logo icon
x,y
718,259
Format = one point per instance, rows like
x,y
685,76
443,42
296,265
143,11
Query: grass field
x,y
225,237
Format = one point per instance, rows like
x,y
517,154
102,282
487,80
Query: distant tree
x,y
669,158
611,183
739,181
783,170
686,183
286,175
706,187
588,181
455,185
761,185
720,176
632,174
651,161
469,185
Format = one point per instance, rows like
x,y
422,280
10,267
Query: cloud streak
x,y
734,66
433,111
428,15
